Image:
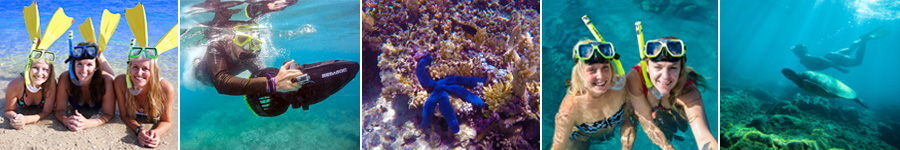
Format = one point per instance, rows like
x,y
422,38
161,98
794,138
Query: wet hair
x,y
154,106
97,88
575,83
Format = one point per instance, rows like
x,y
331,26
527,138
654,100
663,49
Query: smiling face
x,y
140,71
84,69
596,77
39,71
664,74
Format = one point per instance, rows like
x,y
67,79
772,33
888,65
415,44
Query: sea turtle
x,y
822,85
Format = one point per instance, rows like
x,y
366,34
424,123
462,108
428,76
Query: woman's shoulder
x,y
119,81
166,85
16,84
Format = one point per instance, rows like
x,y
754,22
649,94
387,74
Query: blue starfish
x,y
452,85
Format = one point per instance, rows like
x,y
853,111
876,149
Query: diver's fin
x,y
87,31
137,20
858,100
169,41
32,21
108,24
876,33
57,26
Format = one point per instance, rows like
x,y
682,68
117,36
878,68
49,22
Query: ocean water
x,y
757,37
307,32
615,21
14,35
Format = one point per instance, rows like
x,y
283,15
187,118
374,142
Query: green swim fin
x,y
57,26
137,20
108,24
32,21
169,41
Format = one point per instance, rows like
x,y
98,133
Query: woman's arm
x,y
165,119
564,124
62,88
49,102
121,91
642,110
696,116
108,108
12,90
627,129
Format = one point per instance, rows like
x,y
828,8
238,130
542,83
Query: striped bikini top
x,y
602,124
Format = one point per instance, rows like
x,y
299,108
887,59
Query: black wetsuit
x,y
218,67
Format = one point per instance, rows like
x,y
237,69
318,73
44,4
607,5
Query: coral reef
x,y
798,122
497,40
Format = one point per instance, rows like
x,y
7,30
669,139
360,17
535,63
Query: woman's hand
x,y
75,122
148,138
17,122
283,79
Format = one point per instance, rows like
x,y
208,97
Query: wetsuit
x,y
218,67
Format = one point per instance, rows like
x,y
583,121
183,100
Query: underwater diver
x,y
840,58
142,96
35,88
593,107
665,94
254,10
269,91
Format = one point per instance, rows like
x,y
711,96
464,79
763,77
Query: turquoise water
x,y
615,21
307,32
15,43
766,31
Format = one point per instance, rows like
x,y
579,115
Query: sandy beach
x,y
48,133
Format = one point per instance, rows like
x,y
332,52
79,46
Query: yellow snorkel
x,y
619,80
640,38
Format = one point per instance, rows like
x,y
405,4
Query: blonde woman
x,y
21,96
670,100
592,107
143,97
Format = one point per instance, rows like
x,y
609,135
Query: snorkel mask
x,y
137,20
55,28
653,50
78,53
606,50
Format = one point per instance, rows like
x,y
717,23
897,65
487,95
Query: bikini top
x,y
602,124
21,102
658,105
79,106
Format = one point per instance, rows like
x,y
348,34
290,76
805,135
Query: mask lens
x,y
652,48
675,48
585,50
241,40
35,55
77,52
606,49
49,56
91,50
135,52
150,52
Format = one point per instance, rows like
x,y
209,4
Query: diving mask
x,y
247,42
38,54
674,47
605,49
149,52
587,51
84,51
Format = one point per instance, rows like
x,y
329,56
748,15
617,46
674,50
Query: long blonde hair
x,y
156,97
576,83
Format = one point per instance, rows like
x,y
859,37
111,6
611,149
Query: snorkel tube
x,y
640,37
619,80
128,69
72,63
27,73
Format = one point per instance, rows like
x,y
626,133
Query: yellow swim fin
x,y
32,21
87,31
137,20
108,24
57,26
169,41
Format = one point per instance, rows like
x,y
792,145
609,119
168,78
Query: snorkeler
x,y
269,91
841,58
35,89
665,95
595,103
141,94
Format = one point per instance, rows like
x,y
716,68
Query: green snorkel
x,y
619,80
27,73
128,69
640,37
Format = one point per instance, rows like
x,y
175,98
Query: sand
x,y
48,133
